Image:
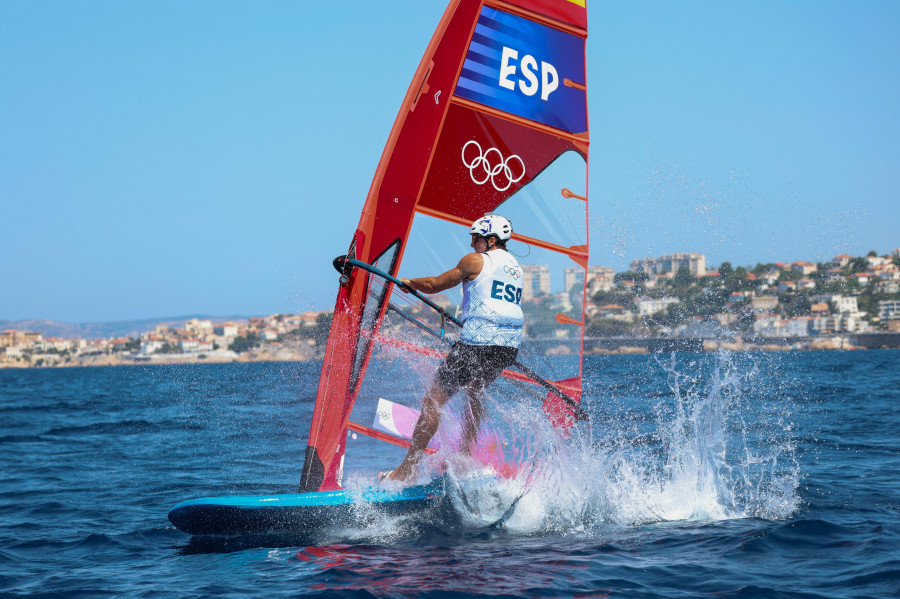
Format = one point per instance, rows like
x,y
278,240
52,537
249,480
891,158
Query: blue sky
x,y
168,158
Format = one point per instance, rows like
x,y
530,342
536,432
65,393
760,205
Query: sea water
x,y
726,475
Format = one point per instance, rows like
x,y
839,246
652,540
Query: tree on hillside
x,y
242,344
840,287
858,265
603,298
606,327
868,303
540,319
683,278
712,301
793,304
322,328
675,315
735,280
630,275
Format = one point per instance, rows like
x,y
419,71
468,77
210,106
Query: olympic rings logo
x,y
501,174
513,272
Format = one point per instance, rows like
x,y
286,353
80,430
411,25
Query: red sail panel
x,y
472,137
383,227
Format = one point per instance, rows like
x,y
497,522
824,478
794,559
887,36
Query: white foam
x,y
695,465
692,460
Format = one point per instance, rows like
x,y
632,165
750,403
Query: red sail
x,y
495,116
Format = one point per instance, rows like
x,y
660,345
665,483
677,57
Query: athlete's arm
x,y
467,269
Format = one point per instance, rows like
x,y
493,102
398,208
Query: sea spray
x,y
715,446
706,439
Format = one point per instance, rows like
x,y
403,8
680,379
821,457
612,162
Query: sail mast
x,y
380,238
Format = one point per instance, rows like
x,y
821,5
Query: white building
x,y
769,325
199,327
842,260
798,327
671,263
228,329
149,346
599,278
805,268
846,304
887,287
875,261
772,325
573,277
889,310
763,303
840,323
647,306
535,280
188,346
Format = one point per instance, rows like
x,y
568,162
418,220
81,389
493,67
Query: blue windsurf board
x,y
298,512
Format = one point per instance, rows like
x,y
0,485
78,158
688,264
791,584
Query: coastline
x,y
306,354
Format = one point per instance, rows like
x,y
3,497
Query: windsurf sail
x,y
495,120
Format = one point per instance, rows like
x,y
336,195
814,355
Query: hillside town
x,y
279,337
677,295
801,305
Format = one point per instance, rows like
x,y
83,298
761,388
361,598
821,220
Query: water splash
x,y
715,447
702,437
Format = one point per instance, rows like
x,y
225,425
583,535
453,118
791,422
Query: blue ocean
x,y
698,475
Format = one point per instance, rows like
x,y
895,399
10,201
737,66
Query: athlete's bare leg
x,y
474,416
426,427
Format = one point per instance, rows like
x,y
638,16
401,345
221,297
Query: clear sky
x,y
165,158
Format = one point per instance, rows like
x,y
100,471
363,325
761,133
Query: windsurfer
x,y
492,329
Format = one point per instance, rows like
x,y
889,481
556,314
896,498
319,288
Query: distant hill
x,y
102,330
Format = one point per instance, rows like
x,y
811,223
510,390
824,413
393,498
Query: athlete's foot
x,y
401,474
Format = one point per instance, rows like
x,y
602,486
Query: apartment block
x,y
763,303
671,263
535,281
889,310
599,278
842,303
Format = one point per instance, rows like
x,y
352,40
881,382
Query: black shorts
x,y
473,366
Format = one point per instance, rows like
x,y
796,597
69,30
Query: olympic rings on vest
x,y
513,272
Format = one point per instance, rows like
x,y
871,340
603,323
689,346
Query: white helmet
x,y
492,224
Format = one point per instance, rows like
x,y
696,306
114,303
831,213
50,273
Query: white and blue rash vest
x,y
491,310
